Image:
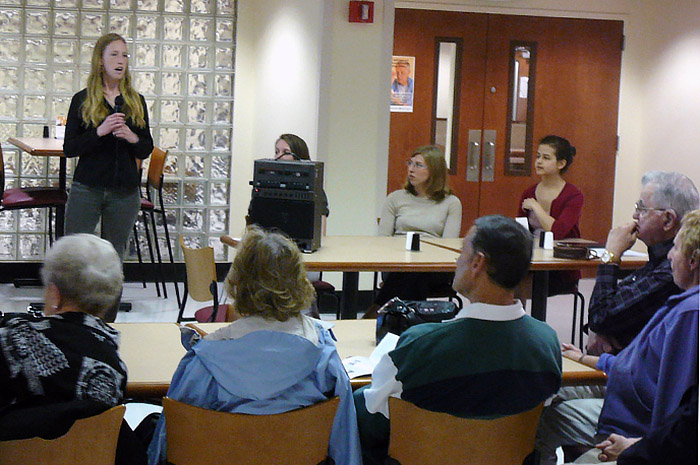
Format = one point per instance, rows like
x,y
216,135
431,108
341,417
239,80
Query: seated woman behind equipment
x,y
554,204
427,206
290,147
272,359
70,354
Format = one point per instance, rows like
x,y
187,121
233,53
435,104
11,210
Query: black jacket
x,y
104,161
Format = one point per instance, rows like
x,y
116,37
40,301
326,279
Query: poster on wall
x,y
402,76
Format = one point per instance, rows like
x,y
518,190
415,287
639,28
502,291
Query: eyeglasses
x,y
415,164
640,208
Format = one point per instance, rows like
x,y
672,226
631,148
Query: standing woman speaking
x,y
107,128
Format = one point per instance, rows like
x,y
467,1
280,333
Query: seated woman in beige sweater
x,y
427,206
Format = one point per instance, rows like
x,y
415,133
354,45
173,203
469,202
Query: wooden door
x,y
415,32
576,93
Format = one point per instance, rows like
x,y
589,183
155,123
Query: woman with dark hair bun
x,y
553,204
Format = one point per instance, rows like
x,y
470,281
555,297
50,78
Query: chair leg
x,y
50,226
182,305
581,320
170,248
138,253
573,320
214,289
150,247
160,259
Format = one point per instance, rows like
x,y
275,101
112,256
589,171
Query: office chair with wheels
x,y
198,436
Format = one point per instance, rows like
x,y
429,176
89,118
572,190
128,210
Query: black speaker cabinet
x,y
287,195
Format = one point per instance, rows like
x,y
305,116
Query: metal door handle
x,y
473,155
487,173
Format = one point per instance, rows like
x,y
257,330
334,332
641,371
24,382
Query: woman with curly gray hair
x,y
272,359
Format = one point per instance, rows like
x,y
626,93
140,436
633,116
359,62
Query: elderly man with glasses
x,y
619,309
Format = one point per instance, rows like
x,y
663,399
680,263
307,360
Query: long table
x,y
356,337
352,254
47,147
152,352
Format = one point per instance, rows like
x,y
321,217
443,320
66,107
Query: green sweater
x,y
496,361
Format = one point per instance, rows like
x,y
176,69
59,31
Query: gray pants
x,y
571,419
117,208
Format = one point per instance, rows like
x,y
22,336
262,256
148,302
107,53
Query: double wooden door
x,y
574,93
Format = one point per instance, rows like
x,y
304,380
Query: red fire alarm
x,y
361,12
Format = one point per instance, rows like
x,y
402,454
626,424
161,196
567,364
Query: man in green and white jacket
x,y
492,360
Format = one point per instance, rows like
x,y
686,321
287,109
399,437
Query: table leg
x,y
540,289
61,210
348,299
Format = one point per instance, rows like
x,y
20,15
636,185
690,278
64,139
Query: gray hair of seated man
x,y
87,272
673,190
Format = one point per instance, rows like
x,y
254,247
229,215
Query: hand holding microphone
x,y
121,130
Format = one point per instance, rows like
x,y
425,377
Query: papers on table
x,y
357,365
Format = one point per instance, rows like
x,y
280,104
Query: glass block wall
x,y
182,54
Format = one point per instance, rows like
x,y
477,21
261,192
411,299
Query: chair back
x,y
201,271
156,166
200,436
90,440
419,436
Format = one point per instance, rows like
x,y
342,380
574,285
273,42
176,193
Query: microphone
x,y
118,103
294,156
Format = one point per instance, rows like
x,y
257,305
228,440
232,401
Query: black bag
x,y
397,315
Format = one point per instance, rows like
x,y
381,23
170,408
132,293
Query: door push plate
x,y
487,172
473,155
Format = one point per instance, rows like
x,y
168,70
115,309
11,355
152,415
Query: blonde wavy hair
x,y
434,157
689,235
93,110
267,277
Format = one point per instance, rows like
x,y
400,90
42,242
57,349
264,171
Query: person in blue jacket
x,y
272,359
648,379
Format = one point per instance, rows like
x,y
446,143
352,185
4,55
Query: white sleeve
x,y
384,384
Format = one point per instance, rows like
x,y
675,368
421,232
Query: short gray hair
x,y
673,190
87,272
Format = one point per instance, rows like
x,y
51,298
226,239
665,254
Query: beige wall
x,y
345,115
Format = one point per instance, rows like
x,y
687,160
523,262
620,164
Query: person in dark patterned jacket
x,y
70,354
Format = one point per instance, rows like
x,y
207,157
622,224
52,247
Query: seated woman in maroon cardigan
x,y
554,204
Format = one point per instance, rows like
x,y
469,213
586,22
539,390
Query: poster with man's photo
x,y
402,76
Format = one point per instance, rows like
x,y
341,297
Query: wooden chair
x,y
201,284
420,436
200,436
30,197
154,182
90,440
